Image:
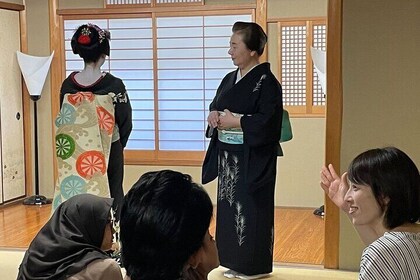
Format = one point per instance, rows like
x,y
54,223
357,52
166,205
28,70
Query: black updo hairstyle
x,y
252,34
90,42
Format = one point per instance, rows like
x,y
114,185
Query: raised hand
x,y
334,186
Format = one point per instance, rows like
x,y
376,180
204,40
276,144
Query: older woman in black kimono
x,y
245,126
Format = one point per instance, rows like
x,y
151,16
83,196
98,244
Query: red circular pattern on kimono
x,y
105,119
89,163
78,97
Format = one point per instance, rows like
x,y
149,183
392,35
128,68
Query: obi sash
x,y
231,135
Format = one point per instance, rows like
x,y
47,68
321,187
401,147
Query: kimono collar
x,y
238,73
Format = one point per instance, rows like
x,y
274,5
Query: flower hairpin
x,y
84,38
103,34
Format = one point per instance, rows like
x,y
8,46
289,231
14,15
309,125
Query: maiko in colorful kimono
x,y
84,129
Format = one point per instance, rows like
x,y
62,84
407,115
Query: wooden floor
x,y
299,234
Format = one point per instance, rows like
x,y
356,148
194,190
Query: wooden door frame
x,y
333,119
334,113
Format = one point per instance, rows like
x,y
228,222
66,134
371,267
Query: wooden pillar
x,y
334,114
261,19
56,72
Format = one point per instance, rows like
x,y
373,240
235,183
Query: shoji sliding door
x,y
12,175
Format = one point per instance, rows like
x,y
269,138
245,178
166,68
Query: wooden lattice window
x,y
302,92
293,65
319,42
151,3
110,3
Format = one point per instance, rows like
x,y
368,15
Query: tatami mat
x,y
10,260
289,272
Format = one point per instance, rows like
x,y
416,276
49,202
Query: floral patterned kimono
x,y
84,130
246,169
96,121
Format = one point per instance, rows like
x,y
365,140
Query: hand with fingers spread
x,y
334,186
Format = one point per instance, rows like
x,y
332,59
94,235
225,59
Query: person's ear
x,y
253,53
386,200
195,259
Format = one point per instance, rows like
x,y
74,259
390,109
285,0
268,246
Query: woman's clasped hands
x,y
223,120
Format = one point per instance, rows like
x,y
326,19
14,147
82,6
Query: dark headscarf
x,y
69,241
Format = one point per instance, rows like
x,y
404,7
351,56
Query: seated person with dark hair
x,y
164,229
380,193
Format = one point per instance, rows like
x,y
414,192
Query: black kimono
x,y
110,85
246,172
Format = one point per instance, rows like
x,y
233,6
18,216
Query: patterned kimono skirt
x,y
84,128
245,220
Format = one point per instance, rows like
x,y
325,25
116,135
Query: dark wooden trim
x,y
11,6
333,126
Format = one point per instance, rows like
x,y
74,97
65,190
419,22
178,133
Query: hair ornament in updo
x,y
103,34
90,41
84,38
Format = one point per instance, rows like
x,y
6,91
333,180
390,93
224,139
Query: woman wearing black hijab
x,y
72,244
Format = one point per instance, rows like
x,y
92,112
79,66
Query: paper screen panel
x,y
170,103
319,42
293,57
12,144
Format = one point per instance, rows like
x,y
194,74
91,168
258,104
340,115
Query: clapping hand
x,y
334,186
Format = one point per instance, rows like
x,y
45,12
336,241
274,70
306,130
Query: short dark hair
x,y
90,42
164,219
391,174
253,35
